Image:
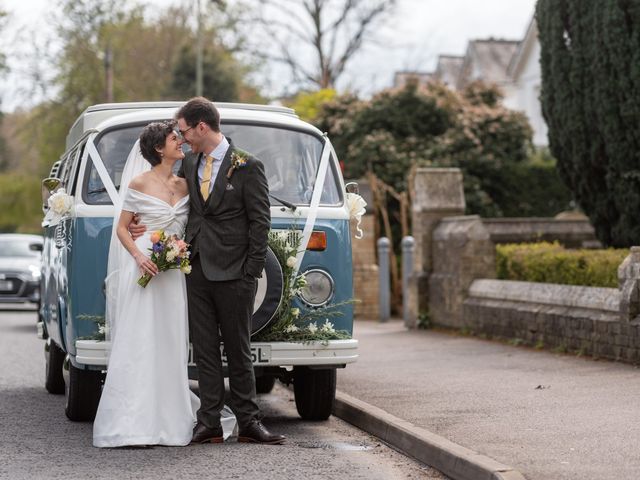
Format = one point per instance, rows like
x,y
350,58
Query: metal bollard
x,y
408,246
384,246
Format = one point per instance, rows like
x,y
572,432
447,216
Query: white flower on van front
x,y
356,206
312,327
291,329
60,203
295,312
291,262
327,327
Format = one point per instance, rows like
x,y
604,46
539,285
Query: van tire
x,y
315,392
265,384
53,359
82,394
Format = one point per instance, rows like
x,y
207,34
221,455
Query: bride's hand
x,y
145,264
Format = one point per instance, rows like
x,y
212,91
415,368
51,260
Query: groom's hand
x,y
135,229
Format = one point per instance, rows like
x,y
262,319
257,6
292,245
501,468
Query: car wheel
x,y
82,393
315,392
265,384
54,358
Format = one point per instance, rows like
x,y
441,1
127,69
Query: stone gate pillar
x,y
438,193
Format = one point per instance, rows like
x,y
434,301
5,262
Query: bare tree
x,y
317,38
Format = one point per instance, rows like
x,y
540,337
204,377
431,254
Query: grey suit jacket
x,y
230,230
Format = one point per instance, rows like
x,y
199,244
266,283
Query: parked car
x,y
76,248
20,269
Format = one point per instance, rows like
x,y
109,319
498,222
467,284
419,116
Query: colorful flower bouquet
x,y
167,252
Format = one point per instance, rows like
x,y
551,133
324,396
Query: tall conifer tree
x,y
590,60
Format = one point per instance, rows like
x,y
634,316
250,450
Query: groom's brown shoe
x,y
256,432
203,434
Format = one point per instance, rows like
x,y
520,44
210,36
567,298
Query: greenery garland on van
x,y
290,325
552,263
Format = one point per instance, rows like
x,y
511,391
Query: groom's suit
x,y
228,235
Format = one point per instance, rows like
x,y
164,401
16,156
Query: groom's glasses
x,y
182,132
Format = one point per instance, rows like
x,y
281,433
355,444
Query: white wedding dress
x,y
146,398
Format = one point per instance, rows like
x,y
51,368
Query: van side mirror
x,y
49,185
352,187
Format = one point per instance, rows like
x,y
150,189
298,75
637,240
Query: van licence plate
x,y
6,285
260,355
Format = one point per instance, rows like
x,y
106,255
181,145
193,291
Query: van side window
x,y
114,147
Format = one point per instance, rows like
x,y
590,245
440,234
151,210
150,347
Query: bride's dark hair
x,y
155,136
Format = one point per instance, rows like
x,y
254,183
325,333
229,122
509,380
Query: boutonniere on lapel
x,y
238,161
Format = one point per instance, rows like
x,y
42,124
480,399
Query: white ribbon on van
x,y
102,171
327,150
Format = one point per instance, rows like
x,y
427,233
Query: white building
x,y
524,72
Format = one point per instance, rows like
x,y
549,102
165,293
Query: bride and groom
x,y
220,198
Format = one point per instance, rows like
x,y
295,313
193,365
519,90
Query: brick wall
x,y
365,271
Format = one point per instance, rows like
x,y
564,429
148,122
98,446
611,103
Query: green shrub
x,y
552,263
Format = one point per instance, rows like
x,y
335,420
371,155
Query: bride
x,y
146,398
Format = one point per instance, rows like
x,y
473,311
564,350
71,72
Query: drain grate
x,y
342,446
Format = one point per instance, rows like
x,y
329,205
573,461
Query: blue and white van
x,y
307,190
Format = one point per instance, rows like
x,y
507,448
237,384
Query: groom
x,y
228,227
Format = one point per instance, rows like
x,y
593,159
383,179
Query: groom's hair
x,y
155,136
200,109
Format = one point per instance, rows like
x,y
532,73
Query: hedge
x,y
551,263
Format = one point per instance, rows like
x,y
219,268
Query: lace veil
x,y
114,292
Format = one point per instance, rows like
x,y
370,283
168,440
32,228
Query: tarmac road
x,y
37,441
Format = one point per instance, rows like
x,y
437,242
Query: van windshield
x,y
290,157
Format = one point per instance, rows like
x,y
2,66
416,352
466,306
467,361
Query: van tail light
x,y
317,242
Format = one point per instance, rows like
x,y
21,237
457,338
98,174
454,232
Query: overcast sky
x,y
412,39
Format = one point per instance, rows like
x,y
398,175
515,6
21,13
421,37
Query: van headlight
x,y
319,288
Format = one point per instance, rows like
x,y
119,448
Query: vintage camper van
x,y
306,190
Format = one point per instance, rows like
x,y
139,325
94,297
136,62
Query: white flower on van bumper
x,y
327,327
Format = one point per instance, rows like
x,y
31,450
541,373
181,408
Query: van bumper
x,y
273,354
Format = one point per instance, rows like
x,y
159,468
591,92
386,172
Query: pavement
x,y
478,409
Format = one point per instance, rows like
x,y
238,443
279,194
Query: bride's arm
x,y
144,263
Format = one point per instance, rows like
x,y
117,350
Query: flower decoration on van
x,y
60,204
291,324
168,252
238,160
102,328
356,206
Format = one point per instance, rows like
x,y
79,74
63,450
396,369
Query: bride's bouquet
x,y
167,252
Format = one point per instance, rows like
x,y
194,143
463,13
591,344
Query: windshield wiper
x,y
101,190
284,202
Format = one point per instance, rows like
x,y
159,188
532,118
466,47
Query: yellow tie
x,y
206,177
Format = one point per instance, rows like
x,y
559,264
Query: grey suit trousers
x,y
221,311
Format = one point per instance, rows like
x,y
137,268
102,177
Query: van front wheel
x,y
315,392
265,384
82,393
53,359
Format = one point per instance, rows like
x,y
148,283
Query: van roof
x,y
95,115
